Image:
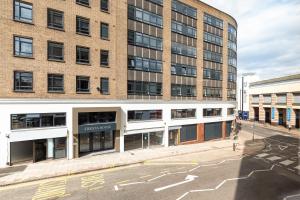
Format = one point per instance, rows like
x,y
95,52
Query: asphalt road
x,y
269,174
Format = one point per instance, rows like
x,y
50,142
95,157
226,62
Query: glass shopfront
x,y
143,140
96,131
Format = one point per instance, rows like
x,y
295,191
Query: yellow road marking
x,y
92,181
125,181
50,190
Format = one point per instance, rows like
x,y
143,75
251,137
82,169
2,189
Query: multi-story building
x,y
83,76
276,101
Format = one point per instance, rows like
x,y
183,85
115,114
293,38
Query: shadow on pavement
x,y
277,169
6,171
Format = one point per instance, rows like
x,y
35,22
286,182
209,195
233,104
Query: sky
x,y
268,35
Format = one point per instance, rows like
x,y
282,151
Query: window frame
x,y
79,20
48,51
79,62
87,91
19,19
82,3
14,48
104,53
52,25
101,6
63,85
20,87
106,90
102,26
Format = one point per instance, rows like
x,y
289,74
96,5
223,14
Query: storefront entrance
x,y
297,118
96,141
143,140
282,116
40,147
268,115
256,114
173,137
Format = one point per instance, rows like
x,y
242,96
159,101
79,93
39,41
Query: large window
x,y
212,38
104,58
210,112
82,84
83,2
55,83
24,121
212,74
213,92
184,50
23,46
183,113
82,55
82,25
144,115
183,90
104,85
144,88
104,31
184,9
183,70
55,51
144,16
213,56
96,117
23,11
104,5
144,64
55,19
214,21
23,81
140,39
184,29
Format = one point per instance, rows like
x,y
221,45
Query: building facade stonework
x,y
85,76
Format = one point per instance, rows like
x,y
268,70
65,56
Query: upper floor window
x,y
208,37
104,85
230,111
144,64
159,2
144,115
144,16
104,5
55,83
183,113
184,29
213,56
183,70
212,92
214,21
23,121
55,19
212,74
144,88
210,112
83,2
23,81
182,49
23,11
82,84
55,51
82,55
82,25
104,58
104,31
183,90
23,46
184,9
140,39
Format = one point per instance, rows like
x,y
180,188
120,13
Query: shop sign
x,y
89,128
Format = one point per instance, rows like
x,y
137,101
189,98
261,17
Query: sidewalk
x,y
293,132
56,168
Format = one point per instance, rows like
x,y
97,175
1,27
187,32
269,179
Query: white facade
x,y
8,107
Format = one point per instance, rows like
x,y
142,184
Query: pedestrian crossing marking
x,y
287,162
262,155
273,158
50,190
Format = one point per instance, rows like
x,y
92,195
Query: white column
x,y
69,144
50,147
122,149
166,136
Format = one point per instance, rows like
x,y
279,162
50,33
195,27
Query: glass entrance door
x,y
145,140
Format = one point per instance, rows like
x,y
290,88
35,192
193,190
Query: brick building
x,y
84,76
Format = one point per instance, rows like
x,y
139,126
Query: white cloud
x,y
268,35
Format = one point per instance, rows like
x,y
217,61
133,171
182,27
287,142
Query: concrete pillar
x,y
122,147
166,136
274,111
224,130
50,147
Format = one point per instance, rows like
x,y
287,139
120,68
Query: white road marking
x,y
226,180
116,188
282,148
287,162
157,177
133,183
291,196
273,158
298,167
188,178
262,155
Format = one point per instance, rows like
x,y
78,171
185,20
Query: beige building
x,y
79,76
276,101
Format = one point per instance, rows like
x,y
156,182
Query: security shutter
x,y
212,131
228,128
188,133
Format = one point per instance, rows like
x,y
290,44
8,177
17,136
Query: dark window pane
x,y
82,55
104,5
104,58
55,51
104,31
104,85
23,81
82,84
23,46
83,2
55,83
55,19
82,25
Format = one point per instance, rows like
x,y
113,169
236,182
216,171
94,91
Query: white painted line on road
x,y
116,188
133,183
262,155
273,158
214,164
188,178
298,167
291,170
157,177
291,196
282,148
287,162
182,196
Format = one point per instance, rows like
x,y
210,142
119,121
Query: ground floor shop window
x,y
96,141
143,140
60,147
21,151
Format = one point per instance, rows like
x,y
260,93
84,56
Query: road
x,y
272,173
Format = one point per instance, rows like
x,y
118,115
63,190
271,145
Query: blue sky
x,y
268,35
